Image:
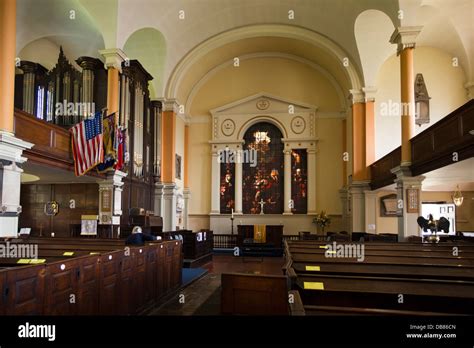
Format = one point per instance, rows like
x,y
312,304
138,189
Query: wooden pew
x,y
252,294
124,281
454,297
429,284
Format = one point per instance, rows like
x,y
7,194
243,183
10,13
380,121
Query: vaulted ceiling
x,y
163,33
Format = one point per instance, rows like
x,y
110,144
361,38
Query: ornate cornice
x,y
405,37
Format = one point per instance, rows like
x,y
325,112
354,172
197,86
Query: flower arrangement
x,y
322,220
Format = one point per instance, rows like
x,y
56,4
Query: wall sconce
x,y
422,101
457,197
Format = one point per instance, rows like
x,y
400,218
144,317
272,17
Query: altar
x,y
260,240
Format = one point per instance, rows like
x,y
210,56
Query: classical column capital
x,y
405,37
113,58
369,93
170,104
357,96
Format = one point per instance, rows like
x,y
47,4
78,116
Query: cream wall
x,y
464,213
445,87
281,77
179,148
200,168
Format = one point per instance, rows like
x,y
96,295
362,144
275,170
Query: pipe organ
x,y
64,95
53,96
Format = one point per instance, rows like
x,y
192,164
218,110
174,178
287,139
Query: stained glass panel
x,y
263,179
227,186
299,181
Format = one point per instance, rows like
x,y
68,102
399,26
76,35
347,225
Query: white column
x,y
186,197
357,203
169,207
215,184
370,211
110,198
407,216
238,184
158,206
287,183
11,150
311,181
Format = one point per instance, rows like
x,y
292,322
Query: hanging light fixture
x,y
457,197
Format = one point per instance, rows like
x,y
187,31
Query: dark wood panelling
x,y
24,290
449,135
34,197
433,148
380,171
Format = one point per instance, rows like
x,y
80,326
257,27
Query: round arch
x,y
259,119
252,31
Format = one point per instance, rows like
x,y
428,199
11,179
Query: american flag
x,y
87,144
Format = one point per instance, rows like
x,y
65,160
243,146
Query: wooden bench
x,y
431,280
252,294
124,281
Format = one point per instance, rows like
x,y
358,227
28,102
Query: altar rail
x,y
433,148
225,241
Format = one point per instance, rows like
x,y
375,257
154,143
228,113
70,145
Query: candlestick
x,y
232,214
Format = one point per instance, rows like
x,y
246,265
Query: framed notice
x,y
106,200
413,200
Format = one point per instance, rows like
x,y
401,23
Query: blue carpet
x,y
191,274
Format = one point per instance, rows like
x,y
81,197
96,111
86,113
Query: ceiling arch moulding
x,y
265,30
317,67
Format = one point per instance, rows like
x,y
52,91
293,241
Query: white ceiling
x,y
446,178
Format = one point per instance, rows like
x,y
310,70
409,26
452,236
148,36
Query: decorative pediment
x,y
263,104
295,119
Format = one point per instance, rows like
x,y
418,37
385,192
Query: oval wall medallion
x,y
298,125
228,127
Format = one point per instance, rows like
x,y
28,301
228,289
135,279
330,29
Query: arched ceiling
x,y
245,47
63,22
448,25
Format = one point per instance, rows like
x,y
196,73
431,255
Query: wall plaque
x,y
413,200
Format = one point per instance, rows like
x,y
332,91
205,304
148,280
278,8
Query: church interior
x,y
237,157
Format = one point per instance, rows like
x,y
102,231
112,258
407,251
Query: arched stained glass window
x,y
263,178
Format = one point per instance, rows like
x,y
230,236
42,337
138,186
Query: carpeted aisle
x,y
191,274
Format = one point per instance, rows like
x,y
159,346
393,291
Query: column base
x,y
287,213
169,207
357,205
11,150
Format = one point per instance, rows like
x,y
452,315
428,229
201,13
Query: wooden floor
x,y
203,296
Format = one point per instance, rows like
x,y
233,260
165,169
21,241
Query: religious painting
x,y
227,185
299,181
263,177
178,167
